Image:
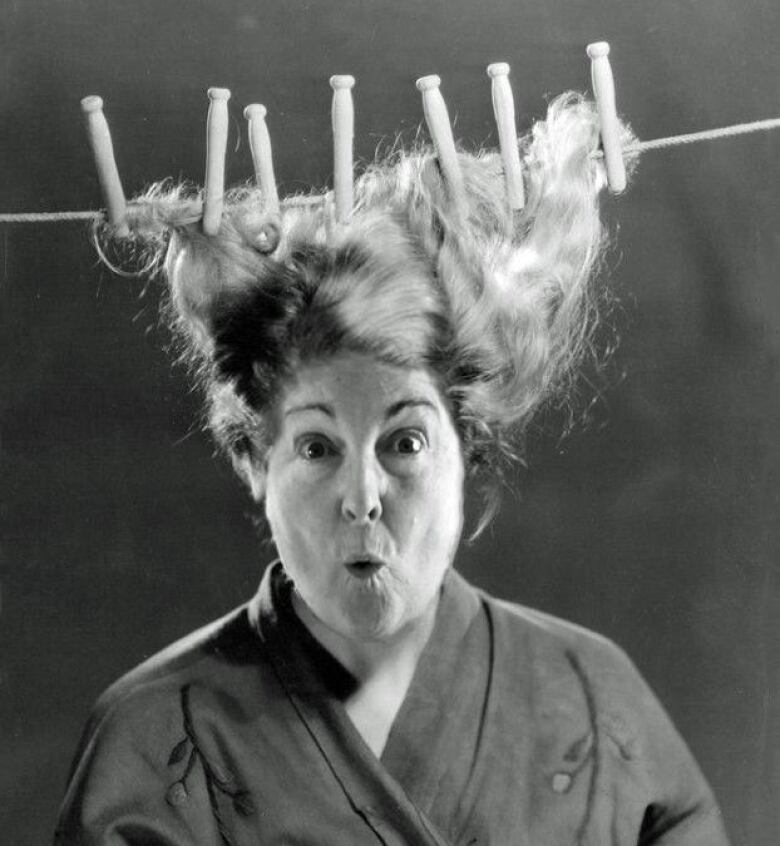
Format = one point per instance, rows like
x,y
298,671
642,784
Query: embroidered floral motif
x,y
608,731
579,754
561,782
218,779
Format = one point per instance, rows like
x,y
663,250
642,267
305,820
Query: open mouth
x,y
364,568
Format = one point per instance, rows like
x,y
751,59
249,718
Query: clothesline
x,y
707,135
640,147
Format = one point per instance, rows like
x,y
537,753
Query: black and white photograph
x,y
389,423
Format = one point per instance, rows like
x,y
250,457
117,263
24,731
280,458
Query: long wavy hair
x,y
498,304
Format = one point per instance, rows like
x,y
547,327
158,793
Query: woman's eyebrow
x,y
311,406
411,402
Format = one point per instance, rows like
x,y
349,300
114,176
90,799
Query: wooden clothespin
x,y
108,175
260,145
438,120
216,146
343,120
504,110
604,92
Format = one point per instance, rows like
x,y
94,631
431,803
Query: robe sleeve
x,y
685,812
138,779
637,733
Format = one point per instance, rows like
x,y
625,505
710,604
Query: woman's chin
x,y
373,618
362,608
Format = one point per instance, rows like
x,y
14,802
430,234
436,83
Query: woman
x,y
358,377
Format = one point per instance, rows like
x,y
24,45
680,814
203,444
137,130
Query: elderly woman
x,y
359,377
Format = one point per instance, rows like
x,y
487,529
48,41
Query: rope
x,y
708,135
49,217
640,147
52,217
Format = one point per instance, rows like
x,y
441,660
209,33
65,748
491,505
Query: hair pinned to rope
x,y
438,259
612,151
478,267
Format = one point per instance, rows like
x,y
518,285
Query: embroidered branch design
x,y
580,754
218,780
591,741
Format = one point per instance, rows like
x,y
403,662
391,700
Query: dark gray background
x,y
653,525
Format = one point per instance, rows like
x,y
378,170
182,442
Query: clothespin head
x,y
108,175
438,120
343,119
260,145
504,110
604,92
216,147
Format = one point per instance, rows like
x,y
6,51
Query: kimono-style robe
x,y
517,730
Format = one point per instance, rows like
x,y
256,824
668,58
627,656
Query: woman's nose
x,y
363,489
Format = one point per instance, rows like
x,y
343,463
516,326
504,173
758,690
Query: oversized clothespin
x,y
438,120
103,151
260,145
604,92
504,110
343,120
216,147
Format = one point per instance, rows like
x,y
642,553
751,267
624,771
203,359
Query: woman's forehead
x,y
349,380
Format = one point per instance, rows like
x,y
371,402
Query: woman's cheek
x,y
413,485
308,481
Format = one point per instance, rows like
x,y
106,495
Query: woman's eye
x,y
313,449
408,443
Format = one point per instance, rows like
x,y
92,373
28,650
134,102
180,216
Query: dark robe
x,y
517,730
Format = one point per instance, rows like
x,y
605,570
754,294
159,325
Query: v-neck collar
x,y
434,740
397,786
435,671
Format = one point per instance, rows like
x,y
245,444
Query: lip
x,y
364,565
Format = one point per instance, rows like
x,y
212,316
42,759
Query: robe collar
x,y
307,668
317,684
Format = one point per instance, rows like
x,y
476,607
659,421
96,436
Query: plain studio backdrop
x,y
653,523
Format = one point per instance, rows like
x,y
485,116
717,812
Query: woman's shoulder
x,y
543,628
552,650
587,701
546,632
215,658
150,725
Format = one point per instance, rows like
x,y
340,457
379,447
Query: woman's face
x,y
364,493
